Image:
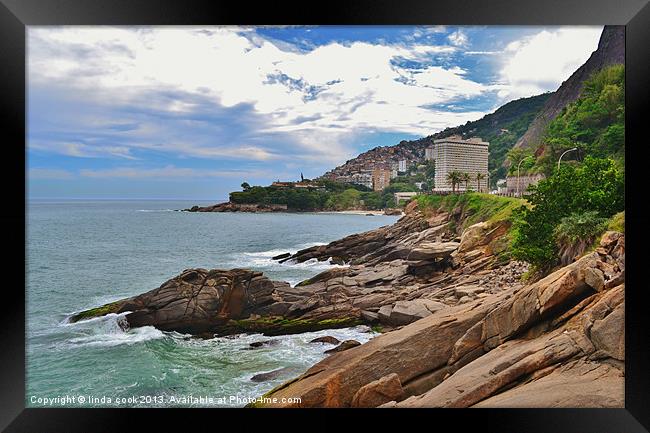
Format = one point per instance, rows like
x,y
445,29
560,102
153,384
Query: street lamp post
x,y
518,179
565,152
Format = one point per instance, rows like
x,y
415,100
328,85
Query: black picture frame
x,y
15,15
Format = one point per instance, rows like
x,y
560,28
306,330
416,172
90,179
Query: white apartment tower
x,y
457,154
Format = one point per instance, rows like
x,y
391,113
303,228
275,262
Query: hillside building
x,y
380,179
518,185
465,156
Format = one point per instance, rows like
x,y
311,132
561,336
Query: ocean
x,y
82,254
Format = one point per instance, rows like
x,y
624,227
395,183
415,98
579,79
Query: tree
x,y
479,178
517,155
453,177
466,177
597,185
245,186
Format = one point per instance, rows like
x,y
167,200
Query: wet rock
x,y
265,377
258,344
326,339
281,256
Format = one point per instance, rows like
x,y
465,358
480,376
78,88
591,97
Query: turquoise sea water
x,y
82,254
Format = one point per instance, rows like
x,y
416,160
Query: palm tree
x,y
479,178
466,177
453,177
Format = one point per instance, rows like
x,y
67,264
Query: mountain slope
x,y
501,128
611,50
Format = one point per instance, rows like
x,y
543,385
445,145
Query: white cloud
x,y
458,38
343,88
541,62
317,100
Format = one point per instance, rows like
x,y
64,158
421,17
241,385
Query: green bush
x,y
596,185
576,233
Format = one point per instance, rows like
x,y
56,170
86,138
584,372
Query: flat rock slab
x,y
432,250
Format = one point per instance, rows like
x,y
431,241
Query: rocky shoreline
x,y
265,208
460,328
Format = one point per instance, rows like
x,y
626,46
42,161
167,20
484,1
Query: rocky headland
x,y
238,207
459,326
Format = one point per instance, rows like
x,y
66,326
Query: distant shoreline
x,y
356,212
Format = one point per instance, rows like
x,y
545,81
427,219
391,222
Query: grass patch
x,y
617,222
474,206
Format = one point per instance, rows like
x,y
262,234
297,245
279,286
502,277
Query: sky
x,y
192,112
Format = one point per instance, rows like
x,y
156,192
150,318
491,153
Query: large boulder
x,y
381,391
196,301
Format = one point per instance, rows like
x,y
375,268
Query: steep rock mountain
x,y
610,51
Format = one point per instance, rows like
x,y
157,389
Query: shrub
x,y
596,185
577,233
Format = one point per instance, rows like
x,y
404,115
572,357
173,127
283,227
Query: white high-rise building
x,y
464,156
402,166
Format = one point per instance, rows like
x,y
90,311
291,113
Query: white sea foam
x,y
111,330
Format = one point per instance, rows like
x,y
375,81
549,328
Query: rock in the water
x,y
281,256
264,377
326,339
388,388
257,344
347,344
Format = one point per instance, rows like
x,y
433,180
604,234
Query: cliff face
x,y
610,51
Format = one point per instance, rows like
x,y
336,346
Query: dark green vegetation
x,y
596,185
570,207
332,196
594,123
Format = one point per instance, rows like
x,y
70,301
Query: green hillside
x,y
594,123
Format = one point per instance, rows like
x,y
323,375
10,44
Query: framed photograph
x,y
372,206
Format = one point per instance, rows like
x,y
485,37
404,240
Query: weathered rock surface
x,y
346,345
381,391
513,347
265,377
